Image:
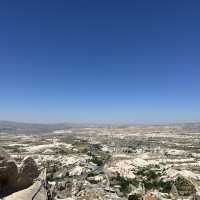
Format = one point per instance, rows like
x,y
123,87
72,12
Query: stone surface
x,y
8,175
37,190
28,171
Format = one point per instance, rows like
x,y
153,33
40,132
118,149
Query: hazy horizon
x,y
99,122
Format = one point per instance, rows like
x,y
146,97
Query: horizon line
x,y
103,123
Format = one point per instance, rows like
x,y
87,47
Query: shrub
x,y
125,184
134,197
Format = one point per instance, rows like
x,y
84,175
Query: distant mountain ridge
x,y
37,128
29,128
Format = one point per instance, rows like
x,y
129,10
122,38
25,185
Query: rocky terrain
x,y
105,162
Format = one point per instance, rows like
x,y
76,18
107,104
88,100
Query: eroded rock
x,y
8,175
28,171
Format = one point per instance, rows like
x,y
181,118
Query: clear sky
x,y
100,60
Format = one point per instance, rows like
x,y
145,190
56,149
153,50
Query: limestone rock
x,y
8,175
28,171
37,190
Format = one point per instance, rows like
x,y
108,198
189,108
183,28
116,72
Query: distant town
x,y
127,162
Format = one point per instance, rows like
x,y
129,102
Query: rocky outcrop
x,y
12,179
8,171
37,191
8,175
28,171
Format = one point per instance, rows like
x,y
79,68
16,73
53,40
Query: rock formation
x,y
28,171
8,174
12,179
37,191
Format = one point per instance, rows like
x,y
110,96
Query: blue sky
x,y
100,61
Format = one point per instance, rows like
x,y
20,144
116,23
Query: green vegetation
x,y
165,186
94,173
97,160
134,197
148,173
125,184
151,180
159,184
